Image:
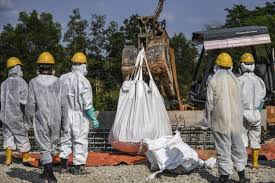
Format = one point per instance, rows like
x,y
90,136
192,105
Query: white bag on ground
x,y
170,152
140,112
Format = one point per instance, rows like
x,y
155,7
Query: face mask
x,y
53,71
247,68
81,68
16,71
85,72
20,74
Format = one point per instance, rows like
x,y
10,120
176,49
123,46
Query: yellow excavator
x,y
161,58
154,38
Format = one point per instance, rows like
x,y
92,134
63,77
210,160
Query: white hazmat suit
x,y
79,95
253,93
223,104
46,109
14,93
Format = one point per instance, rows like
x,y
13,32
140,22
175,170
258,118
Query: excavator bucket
x,y
161,61
161,58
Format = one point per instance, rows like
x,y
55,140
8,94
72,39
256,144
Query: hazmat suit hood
x,y
80,68
229,71
216,68
247,68
16,71
46,80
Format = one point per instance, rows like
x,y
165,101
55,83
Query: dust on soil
x,y
131,173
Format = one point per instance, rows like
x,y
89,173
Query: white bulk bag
x,y
171,152
140,112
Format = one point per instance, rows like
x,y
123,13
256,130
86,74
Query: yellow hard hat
x,y
79,58
224,60
13,61
247,58
45,58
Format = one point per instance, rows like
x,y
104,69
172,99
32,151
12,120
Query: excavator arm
x,y
149,25
158,10
161,58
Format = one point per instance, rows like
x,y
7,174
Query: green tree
x,y
97,35
115,44
7,48
185,55
33,34
106,67
115,41
239,15
236,16
131,28
76,35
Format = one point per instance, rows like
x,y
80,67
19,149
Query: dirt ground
x,y
130,173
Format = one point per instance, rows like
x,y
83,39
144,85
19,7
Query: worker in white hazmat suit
x,y
80,111
223,104
14,93
253,93
46,111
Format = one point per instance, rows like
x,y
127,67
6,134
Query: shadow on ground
x,y
24,175
204,173
2,159
270,163
14,160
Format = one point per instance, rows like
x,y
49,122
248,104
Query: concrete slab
x,y
185,118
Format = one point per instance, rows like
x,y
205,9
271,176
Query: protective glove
x,y
91,115
260,108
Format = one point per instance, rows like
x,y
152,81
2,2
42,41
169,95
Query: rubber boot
x,y
44,174
255,156
26,158
78,170
243,178
64,166
223,179
8,153
51,178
